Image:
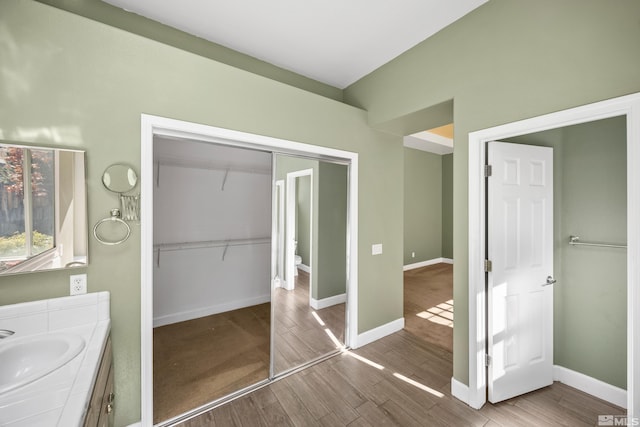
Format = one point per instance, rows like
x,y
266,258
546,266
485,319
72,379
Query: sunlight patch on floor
x,y
396,374
365,360
318,319
333,338
441,314
419,385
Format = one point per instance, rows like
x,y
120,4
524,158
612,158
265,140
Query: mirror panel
x,y
309,296
43,219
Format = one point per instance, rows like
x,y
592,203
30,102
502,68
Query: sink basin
x,y
24,360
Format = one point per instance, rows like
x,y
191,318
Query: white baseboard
x,y
379,332
427,263
304,268
584,383
318,304
209,310
590,385
459,391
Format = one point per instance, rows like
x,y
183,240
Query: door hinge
x,y
487,360
488,265
488,170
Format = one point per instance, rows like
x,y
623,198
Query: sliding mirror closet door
x,y
310,286
212,273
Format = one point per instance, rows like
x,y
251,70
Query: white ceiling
x,y
333,41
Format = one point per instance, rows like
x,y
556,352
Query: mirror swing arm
x,y
120,178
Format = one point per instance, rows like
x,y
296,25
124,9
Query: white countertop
x,y
60,398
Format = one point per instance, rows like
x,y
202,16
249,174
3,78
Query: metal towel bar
x,y
575,241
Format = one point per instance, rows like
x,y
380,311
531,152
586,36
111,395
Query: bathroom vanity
x,y
56,368
100,411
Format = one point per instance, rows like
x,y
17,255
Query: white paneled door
x,y
520,281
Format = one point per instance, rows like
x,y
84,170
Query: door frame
x,y
280,233
291,213
628,106
152,126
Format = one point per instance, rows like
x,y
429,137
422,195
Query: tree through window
x,y
27,204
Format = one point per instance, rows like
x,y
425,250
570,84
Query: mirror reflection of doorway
x,y
223,321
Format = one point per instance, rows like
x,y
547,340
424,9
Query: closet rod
x,y
211,166
211,244
575,241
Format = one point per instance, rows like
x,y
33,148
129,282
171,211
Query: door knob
x,y
550,281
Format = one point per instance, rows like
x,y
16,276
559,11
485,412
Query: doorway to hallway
x,y
428,304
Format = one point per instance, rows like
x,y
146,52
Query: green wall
x,y
447,206
594,318
502,67
422,206
332,226
70,81
590,190
137,24
428,206
303,218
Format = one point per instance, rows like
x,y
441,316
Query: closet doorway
x,y
211,286
619,115
217,321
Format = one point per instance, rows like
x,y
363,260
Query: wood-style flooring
x,y
201,360
428,304
301,333
399,380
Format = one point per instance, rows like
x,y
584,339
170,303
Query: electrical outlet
x,y
413,254
77,284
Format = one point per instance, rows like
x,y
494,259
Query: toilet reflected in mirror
x,y
297,259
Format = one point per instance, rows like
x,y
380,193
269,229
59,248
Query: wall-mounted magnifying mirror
x,y
119,178
43,209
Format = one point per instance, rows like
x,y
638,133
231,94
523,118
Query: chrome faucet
x,y
4,333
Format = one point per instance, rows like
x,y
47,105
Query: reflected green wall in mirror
x,y
332,222
303,202
329,236
321,208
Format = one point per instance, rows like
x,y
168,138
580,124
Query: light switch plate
x,y
376,249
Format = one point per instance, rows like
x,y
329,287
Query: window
x,y
27,204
